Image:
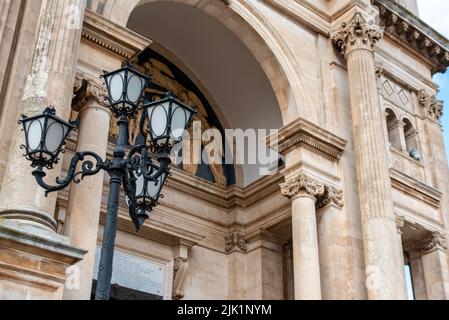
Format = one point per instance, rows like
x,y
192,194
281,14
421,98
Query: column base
x,y
28,219
33,267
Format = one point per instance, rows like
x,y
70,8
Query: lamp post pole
x,y
116,171
142,178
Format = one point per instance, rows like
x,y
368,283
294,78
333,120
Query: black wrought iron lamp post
x,y
142,171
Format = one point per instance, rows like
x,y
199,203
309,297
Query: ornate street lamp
x,y
45,136
142,171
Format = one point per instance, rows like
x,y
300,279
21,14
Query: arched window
x,y
393,127
411,139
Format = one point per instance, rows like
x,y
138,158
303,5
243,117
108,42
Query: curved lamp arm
x,y
88,168
148,171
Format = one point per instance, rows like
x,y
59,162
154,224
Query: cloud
x,y
435,13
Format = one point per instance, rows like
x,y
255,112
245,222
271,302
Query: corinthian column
x,y
34,260
436,272
49,82
303,192
356,40
85,199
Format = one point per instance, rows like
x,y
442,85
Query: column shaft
x,y
384,269
435,266
335,258
436,275
50,81
85,199
305,249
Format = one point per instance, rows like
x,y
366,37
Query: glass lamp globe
x,y
126,88
45,136
168,119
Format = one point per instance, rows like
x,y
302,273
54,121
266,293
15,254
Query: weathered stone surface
x,y
353,206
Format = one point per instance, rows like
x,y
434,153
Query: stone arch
x,y
254,34
410,135
392,124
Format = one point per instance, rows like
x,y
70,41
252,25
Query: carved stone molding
x,y
302,184
235,239
331,195
435,241
179,274
86,89
411,33
324,194
432,106
303,133
357,34
99,32
400,223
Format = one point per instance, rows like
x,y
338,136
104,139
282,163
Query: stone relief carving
x,y
165,81
400,223
331,195
302,184
357,34
85,89
435,241
412,36
432,106
407,165
235,239
324,194
179,274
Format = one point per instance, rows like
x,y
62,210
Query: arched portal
x,y
252,32
248,90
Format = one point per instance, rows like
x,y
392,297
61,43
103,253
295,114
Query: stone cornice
x,y
410,32
304,133
415,189
99,31
357,34
225,197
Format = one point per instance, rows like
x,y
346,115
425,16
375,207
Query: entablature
x,y
417,37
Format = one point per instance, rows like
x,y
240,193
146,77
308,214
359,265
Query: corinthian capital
x,y
302,184
432,106
331,195
435,241
86,89
357,34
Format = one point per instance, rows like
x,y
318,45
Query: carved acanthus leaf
x,y
433,107
357,34
302,184
435,241
86,89
235,239
331,195
412,34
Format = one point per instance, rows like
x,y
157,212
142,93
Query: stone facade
x,y
362,191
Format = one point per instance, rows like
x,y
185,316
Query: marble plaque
x,y
135,272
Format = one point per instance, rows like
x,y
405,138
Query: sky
x,y
435,13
